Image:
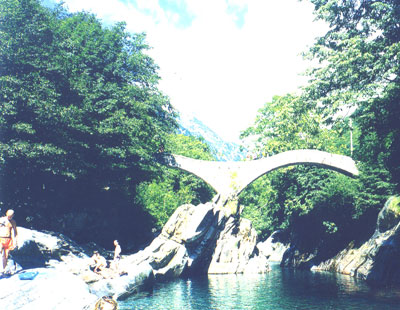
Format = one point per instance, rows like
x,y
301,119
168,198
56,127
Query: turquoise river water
x,y
281,289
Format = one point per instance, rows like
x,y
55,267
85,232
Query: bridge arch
x,y
230,178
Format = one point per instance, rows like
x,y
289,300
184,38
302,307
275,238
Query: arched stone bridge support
x,y
229,179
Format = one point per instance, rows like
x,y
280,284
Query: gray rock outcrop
x,y
236,250
44,249
202,239
273,248
378,260
64,279
136,279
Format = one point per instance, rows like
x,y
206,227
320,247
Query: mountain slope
x,y
225,151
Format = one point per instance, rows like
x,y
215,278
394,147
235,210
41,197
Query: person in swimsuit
x,y
8,237
117,255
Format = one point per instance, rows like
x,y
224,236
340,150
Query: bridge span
x,y
230,178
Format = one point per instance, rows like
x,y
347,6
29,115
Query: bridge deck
x,y
230,178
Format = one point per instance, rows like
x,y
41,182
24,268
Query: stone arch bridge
x,y
229,179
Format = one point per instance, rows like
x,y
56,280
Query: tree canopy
x,y
81,117
77,97
358,74
352,92
161,196
80,112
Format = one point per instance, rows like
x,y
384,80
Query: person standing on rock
x,y
117,255
8,237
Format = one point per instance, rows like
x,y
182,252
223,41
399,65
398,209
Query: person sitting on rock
x,y
99,262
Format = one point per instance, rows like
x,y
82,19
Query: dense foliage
x,y
288,196
287,123
161,196
352,92
80,113
359,71
81,118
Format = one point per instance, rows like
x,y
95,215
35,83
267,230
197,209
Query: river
x,y
285,289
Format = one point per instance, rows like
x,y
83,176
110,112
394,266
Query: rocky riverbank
x,y
196,239
50,271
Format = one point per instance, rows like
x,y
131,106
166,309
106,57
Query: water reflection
x,y
235,291
277,290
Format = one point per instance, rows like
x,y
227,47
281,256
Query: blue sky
x,y
220,60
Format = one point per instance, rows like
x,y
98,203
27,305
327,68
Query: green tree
x,y
359,71
356,78
190,146
288,123
80,112
162,195
259,199
331,220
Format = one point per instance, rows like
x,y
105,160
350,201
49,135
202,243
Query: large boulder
x,y
41,249
196,239
186,242
59,260
389,216
236,250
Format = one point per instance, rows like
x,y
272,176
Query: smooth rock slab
x,y
121,287
50,289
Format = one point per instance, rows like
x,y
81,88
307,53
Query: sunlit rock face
x,y
389,217
57,259
236,250
135,279
196,240
274,247
203,239
185,243
41,249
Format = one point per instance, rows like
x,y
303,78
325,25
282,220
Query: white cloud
x,y
214,69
